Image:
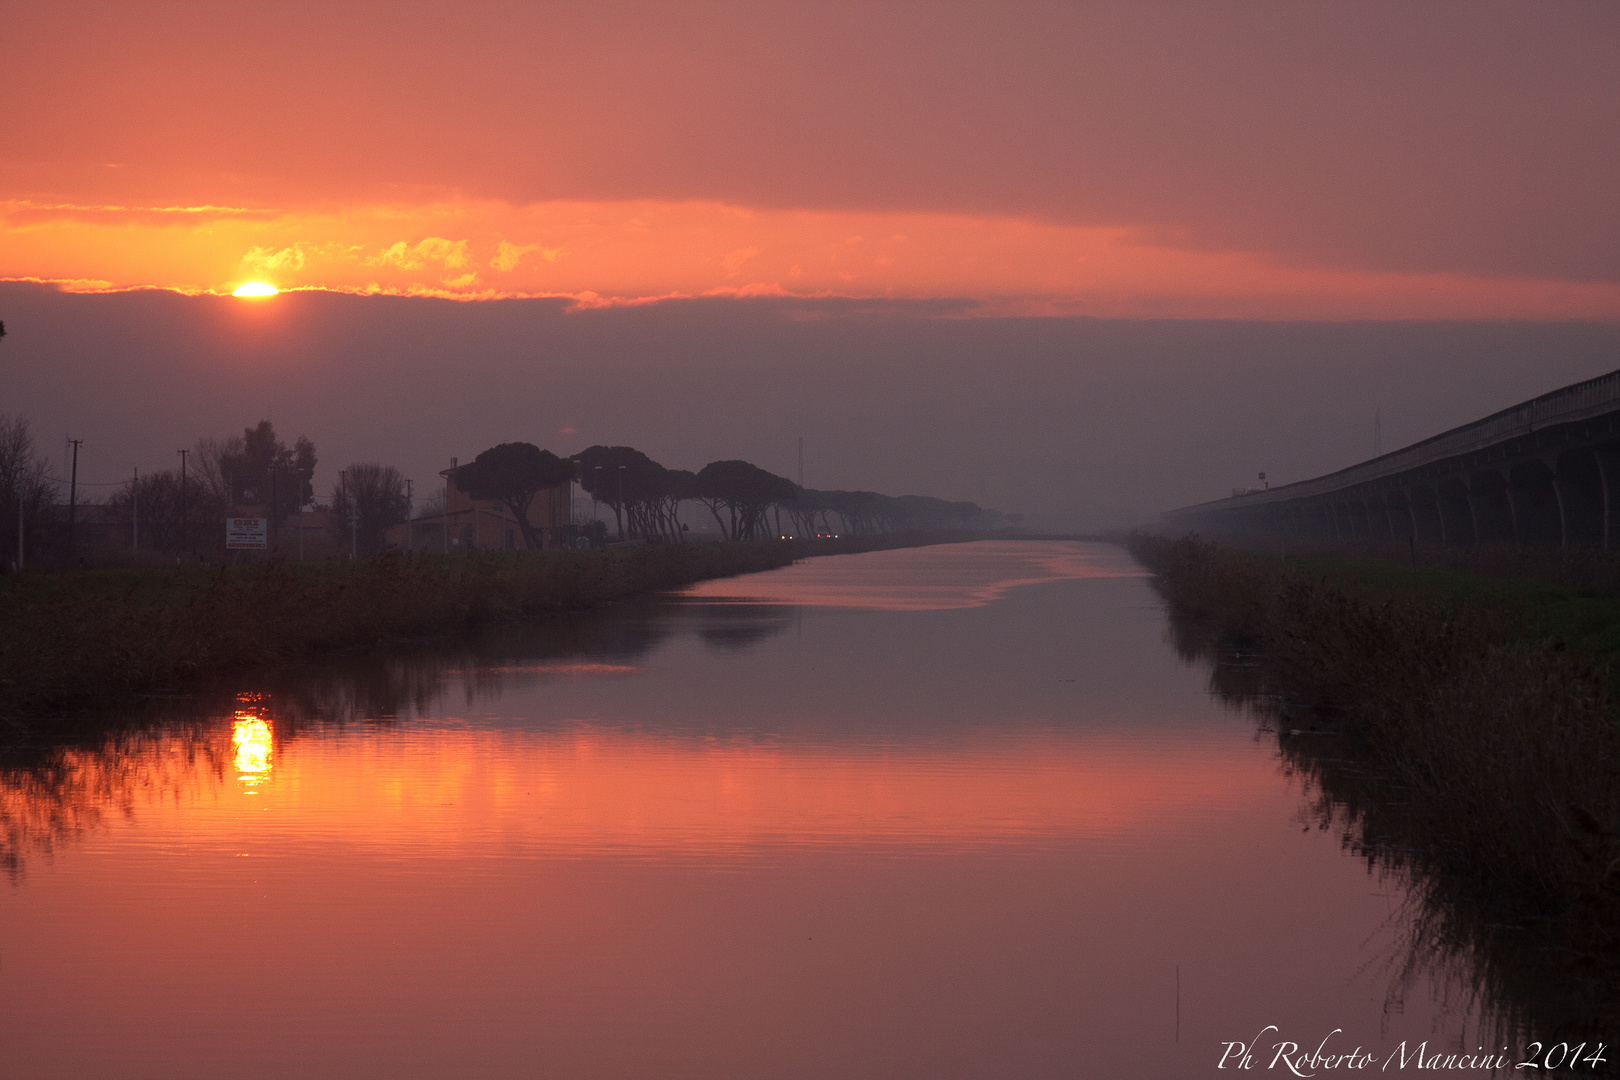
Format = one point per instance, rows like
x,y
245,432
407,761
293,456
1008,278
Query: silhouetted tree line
x,y
182,510
746,501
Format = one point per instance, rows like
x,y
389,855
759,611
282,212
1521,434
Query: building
x,y
470,524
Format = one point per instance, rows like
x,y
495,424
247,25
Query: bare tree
x,y
25,488
368,499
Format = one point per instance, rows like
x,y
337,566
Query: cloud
x,y
261,261
639,251
451,254
508,255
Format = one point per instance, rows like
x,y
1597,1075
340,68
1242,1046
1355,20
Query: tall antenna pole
x,y
73,497
135,512
801,461
185,525
275,511
354,514
410,521
447,481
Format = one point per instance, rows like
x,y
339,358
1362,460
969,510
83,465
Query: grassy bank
x,y
1454,733
74,640
78,640
1530,595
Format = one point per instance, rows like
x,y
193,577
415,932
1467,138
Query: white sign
x,y
247,533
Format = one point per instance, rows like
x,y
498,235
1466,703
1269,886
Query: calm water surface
x,y
945,812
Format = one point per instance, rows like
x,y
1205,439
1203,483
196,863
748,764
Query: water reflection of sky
x,y
964,828
921,579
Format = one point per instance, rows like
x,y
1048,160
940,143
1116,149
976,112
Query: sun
x,y
255,289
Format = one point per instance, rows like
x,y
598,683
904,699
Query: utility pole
x,y
447,481
620,507
184,523
354,514
801,461
73,497
19,527
275,516
135,512
410,522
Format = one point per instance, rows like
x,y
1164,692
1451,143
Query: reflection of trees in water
x,y
51,797
1466,944
732,627
52,794
417,679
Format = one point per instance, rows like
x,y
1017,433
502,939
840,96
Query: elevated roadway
x,y
1546,472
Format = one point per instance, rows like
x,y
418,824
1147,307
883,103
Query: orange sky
x,y
1246,161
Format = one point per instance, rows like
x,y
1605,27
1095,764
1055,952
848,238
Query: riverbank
x,y
1529,594
1453,734
82,640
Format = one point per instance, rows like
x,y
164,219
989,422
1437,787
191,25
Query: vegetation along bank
x,y
1459,728
87,639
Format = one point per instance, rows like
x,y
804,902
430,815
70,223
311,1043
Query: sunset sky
x,y
1442,163
1235,160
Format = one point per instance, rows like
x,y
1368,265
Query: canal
x,y
955,811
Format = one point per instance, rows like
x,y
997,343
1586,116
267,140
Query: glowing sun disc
x,y
255,288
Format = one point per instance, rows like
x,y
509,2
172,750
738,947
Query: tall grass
x,y
81,640
1481,766
78,640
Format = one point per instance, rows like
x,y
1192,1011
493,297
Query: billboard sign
x,y
247,533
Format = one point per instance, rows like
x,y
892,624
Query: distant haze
x,y
1077,423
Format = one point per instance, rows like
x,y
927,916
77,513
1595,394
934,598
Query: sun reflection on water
x,y
250,739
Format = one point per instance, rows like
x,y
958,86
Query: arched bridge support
x,y
1424,507
1491,507
1536,510
1579,484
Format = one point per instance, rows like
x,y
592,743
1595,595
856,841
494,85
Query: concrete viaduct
x,y
1544,472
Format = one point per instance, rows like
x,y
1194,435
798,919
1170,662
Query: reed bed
x,y
83,639
78,641
1479,763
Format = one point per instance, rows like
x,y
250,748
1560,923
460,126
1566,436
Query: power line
x,y
89,483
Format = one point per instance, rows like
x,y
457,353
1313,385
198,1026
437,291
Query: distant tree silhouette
x,y
512,474
376,494
24,484
266,471
630,482
159,501
678,486
746,492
